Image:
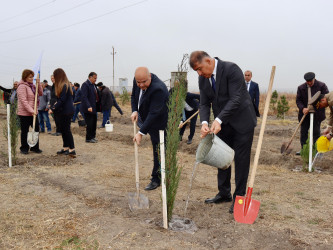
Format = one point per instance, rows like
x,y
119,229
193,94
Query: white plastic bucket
x,y
108,126
215,152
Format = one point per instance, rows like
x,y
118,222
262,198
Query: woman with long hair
x,y
25,108
64,108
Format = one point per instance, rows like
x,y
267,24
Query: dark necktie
x,y
213,82
141,99
140,121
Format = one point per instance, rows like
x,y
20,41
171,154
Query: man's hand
x,y
90,109
305,111
134,116
137,138
329,136
216,127
50,111
204,130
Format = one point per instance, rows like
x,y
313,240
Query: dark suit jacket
x,y
231,102
255,94
153,109
88,97
192,100
302,99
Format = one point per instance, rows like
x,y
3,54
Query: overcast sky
x,y
78,35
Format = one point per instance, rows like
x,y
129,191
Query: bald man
x,y
149,109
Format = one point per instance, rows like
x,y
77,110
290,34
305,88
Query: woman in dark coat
x,y
64,108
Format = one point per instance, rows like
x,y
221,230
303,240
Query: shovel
x,y
33,136
246,209
136,200
285,148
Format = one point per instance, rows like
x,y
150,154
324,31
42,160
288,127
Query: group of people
x,y
234,100
63,101
231,95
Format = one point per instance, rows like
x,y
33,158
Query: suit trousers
x,y
26,122
192,123
155,140
91,121
241,144
65,130
305,130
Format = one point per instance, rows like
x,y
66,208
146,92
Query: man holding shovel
x,y
304,93
149,109
222,87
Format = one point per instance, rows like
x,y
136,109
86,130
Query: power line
x,y
84,21
26,12
39,20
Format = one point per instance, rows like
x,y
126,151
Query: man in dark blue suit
x,y
253,89
89,99
149,108
191,106
222,89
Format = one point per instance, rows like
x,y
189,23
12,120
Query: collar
x,y
215,68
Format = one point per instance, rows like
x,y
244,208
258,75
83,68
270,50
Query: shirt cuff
x,y
134,112
141,133
219,121
204,122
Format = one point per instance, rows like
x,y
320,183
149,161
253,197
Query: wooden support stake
x,y
164,197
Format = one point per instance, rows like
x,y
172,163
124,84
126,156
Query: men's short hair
x,y
77,85
92,74
196,57
45,81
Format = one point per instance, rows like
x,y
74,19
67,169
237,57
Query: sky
x,y
78,35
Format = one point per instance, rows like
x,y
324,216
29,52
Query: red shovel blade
x,y
246,209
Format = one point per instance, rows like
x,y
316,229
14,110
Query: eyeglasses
x,y
247,75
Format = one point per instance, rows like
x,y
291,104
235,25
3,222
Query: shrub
x,y
282,107
124,97
14,131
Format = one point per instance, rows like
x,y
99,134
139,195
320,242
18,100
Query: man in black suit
x,y
253,89
222,87
191,106
149,108
89,101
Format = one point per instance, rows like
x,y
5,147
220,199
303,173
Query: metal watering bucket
x,y
214,152
108,126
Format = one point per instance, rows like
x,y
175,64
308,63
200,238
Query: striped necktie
x,y
213,82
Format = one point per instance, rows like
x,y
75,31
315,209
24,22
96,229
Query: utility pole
x,y
113,53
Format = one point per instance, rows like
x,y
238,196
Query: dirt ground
x,y
56,202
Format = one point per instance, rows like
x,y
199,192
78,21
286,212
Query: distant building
x,y
123,83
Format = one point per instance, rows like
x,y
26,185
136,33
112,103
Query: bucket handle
x,y
108,121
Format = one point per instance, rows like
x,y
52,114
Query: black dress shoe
x,y
56,134
24,152
189,141
71,154
91,141
37,151
152,185
231,209
218,199
62,152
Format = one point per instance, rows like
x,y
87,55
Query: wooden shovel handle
x,y
292,138
35,106
136,155
262,128
181,125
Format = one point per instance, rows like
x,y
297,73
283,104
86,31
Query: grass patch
x,y
75,242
